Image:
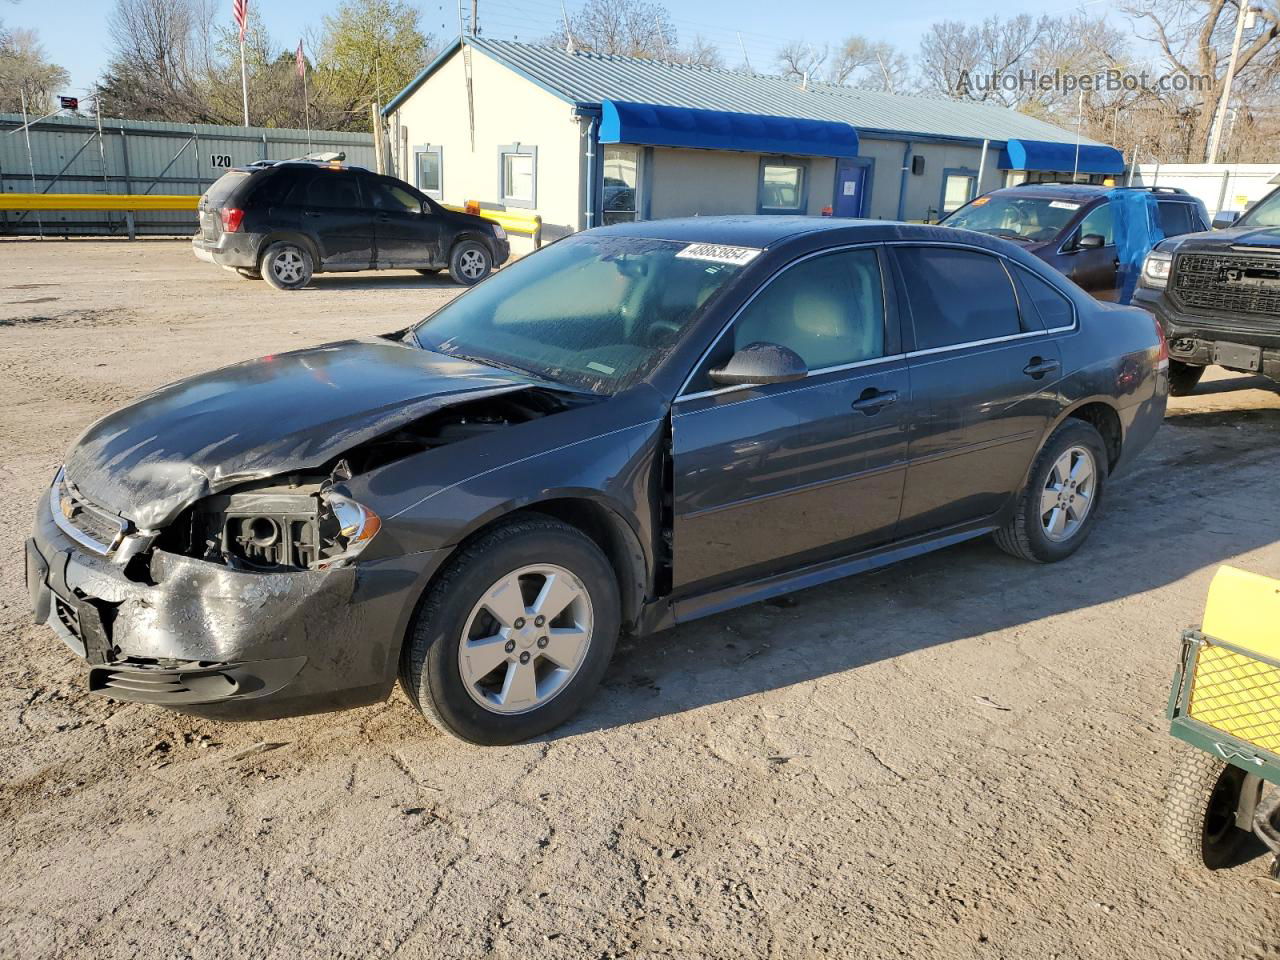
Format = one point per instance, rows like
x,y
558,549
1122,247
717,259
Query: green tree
x,y
369,50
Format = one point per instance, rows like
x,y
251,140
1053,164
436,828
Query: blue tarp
x,y
660,126
1060,157
1136,219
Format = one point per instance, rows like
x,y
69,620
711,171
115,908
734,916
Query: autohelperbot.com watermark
x,y
1061,81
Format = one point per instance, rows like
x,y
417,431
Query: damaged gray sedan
x,y
632,428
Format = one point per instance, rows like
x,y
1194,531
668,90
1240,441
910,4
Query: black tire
x,y
1024,535
470,262
1198,828
1183,377
286,265
248,273
430,670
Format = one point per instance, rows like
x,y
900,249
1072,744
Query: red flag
x,y
302,61
240,10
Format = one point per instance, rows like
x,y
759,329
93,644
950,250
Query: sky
x,y
74,32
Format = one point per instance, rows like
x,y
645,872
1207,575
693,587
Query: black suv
x,y
1072,226
1217,296
285,221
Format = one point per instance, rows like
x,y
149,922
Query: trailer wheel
x,y
1198,829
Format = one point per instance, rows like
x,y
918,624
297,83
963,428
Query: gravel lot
x,y
960,756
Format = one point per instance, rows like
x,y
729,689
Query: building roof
x,y
588,79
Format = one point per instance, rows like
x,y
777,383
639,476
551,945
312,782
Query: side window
x,y
1043,306
333,190
518,175
957,296
1175,218
829,309
1099,220
273,188
393,198
429,165
782,187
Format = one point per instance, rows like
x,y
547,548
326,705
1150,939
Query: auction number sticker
x,y
719,253
1063,205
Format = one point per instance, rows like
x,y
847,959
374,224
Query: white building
x,y
585,139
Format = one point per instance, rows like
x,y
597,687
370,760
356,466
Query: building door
x,y
851,188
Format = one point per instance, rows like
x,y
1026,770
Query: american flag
x,y
240,10
302,61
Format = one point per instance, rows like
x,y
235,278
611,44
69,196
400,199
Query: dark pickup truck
x,y
1217,295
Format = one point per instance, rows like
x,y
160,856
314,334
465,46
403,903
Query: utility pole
x,y
475,18
1244,18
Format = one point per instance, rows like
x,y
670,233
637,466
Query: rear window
x,y
957,296
223,187
1176,218
333,190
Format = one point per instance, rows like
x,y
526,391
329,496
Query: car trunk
x,y
214,199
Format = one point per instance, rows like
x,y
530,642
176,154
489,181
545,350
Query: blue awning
x,y
1060,157
661,126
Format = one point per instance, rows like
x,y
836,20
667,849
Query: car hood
x,y
278,414
1267,238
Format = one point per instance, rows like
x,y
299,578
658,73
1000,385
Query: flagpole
x,y
306,104
244,80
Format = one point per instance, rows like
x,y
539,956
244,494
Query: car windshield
x,y
590,312
1265,214
1029,219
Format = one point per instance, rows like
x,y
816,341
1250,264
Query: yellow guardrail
x,y
97,201
528,224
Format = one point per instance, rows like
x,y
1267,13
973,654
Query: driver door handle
x,y
1037,368
872,401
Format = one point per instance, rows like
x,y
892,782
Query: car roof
x,y
771,231
1088,191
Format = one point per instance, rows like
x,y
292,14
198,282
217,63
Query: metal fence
x,y
84,155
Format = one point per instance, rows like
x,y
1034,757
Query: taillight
x,y
1163,359
231,217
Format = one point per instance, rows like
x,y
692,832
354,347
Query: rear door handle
x,y
1037,368
872,401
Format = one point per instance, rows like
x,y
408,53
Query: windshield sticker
x,y
1063,205
981,200
601,368
719,253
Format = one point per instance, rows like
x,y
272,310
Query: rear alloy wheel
x,y
514,634
470,262
286,266
1059,505
1183,377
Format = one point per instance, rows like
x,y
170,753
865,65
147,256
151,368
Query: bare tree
x,y
868,63
629,28
25,69
799,60
1194,38
959,59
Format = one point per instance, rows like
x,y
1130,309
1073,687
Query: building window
x,y
429,168
518,175
621,196
958,188
783,187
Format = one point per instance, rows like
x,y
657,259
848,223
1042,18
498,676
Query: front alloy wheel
x,y
525,639
470,262
514,633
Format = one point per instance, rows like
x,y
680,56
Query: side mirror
x,y
759,363
1225,218
1092,241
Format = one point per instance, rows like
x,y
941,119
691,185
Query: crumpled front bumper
x,y
207,639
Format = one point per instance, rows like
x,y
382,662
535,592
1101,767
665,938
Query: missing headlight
x,y
281,527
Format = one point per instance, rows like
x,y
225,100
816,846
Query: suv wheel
x,y
470,262
286,266
515,634
1059,505
1183,377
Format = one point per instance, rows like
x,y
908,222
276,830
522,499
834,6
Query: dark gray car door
x,y
983,379
1095,270
335,215
406,228
774,476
